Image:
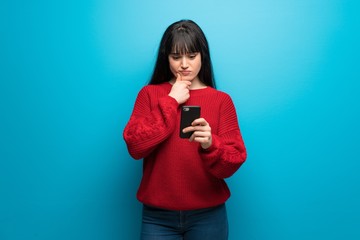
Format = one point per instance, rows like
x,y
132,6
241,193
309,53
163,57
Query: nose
x,y
184,63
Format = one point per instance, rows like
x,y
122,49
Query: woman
x,y
183,188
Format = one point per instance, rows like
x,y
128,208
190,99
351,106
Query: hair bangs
x,y
184,42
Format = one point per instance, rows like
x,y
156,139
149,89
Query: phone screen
x,y
188,115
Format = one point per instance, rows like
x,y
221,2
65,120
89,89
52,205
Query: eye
x,y
175,57
192,55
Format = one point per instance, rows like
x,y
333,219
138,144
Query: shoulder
x,y
155,89
223,100
220,95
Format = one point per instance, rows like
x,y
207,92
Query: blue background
x,y
69,75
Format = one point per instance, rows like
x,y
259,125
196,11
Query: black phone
x,y
188,115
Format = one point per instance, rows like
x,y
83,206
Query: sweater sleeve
x,y
227,152
148,125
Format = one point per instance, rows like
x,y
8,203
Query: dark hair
x,y
183,37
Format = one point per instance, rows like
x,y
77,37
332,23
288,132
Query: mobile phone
x,y
188,115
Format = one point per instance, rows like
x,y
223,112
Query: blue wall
x,y
69,75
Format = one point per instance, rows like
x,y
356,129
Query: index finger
x,y
178,77
199,121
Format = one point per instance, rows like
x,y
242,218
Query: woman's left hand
x,y
201,132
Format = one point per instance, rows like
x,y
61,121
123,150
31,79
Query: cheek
x,y
173,67
198,67
197,63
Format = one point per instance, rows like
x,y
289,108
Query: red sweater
x,y
178,174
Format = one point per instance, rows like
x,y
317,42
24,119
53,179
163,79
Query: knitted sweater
x,y
179,174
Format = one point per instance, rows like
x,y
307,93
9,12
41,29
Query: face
x,y
188,65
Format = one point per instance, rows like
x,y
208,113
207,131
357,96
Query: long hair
x,y
183,37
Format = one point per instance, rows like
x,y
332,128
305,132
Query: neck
x,y
197,85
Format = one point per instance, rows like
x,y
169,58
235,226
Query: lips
x,y
185,73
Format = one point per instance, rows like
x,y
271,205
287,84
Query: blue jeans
x,y
208,223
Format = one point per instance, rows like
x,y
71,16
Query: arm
x,y
226,152
148,127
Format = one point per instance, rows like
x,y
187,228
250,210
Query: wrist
x,y
206,145
173,97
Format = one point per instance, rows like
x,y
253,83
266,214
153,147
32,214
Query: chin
x,y
188,78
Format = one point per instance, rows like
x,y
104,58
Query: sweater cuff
x,y
168,101
215,144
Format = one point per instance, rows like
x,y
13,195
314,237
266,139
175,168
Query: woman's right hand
x,y
180,90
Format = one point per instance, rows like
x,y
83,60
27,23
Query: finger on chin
x,y
178,77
